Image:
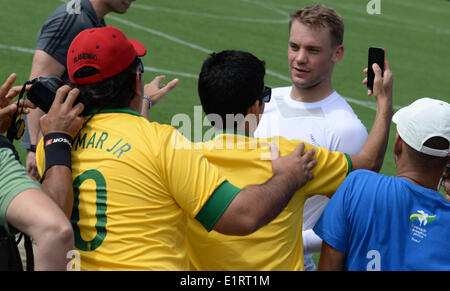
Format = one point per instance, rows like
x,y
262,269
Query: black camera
x,y
43,91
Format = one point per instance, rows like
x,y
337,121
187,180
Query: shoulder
x,y
364,175
364,185
161,129
338,108
6,144
6,157
73,8
278,93
345,124
58,16
286,146
281,91
357,180
11,171
167,137
65,24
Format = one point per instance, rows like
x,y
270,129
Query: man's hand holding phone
x,y
377,56
379,78
382,83
382,87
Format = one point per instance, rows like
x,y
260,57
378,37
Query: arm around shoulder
x,y
255,206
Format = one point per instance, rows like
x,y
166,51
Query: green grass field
x,y
180,33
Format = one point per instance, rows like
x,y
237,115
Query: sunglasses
x,y
267,93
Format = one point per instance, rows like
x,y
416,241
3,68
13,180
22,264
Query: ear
x,y
254,109
398,145
338,53
139,86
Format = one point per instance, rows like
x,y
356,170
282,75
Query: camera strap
x,y
14,127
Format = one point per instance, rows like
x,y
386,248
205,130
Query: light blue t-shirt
x,y
387,223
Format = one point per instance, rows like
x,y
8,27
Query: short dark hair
x,y
115,92
230,82
428,161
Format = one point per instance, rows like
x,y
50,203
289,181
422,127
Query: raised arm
x,y
43,65
59,127
155,91
372,153
9,107
28,209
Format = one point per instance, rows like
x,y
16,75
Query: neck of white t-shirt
x,y
312,94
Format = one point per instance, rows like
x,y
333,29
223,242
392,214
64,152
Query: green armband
x,y
350,165
217,204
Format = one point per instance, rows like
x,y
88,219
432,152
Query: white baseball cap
x,y
423,119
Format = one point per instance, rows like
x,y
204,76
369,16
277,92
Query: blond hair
x,y
319,15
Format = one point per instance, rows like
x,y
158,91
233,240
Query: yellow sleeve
x,y
331,170
190,177
40,157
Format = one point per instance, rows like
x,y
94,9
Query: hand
x,y
382,85
62,117
9,107
296,166
157,90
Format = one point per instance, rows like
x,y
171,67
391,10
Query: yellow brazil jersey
x,y
278,245
133,191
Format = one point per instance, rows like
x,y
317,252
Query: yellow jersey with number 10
x,y
133,191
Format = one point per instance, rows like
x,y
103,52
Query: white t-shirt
x,y
330,123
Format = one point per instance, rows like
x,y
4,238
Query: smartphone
x,y
376,55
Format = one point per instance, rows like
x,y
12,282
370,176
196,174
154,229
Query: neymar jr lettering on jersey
x,y
102,141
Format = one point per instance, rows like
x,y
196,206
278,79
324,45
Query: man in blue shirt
x,y
376,222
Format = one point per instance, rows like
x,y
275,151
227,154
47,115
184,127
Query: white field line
x,y
16,48
367,104
151,69
270,7
213,16
180,41
159,33
368,19
168,72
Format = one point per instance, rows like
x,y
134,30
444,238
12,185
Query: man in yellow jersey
x,y
232,83
133,186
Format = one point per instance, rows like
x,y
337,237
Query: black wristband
x,y
32,148
57,147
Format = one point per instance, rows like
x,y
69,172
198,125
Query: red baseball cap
x,y
106,49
